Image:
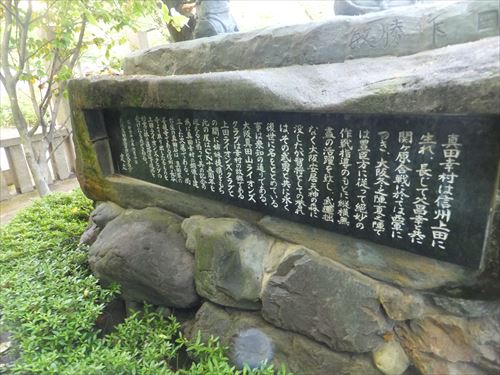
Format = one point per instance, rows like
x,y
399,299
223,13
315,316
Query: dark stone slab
x,y
422,183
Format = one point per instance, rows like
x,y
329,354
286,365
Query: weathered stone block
x,y
468,308
404,304
326,301
4,189
60,163
377,261
229,256
144,252
18,163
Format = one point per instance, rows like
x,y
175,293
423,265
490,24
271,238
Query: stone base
x,y
275,301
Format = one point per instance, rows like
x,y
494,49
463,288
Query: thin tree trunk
x,y
10,81
40,183
36,167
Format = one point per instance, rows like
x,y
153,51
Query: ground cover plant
x,y
50,301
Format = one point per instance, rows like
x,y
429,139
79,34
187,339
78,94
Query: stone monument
x,y
330,203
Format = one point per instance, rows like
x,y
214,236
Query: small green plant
x,y
50,301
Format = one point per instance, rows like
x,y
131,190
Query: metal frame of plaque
x,y
421,183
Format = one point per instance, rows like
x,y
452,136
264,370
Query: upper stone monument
x,y
398,31
337,180
404,181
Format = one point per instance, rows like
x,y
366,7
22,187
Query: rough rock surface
x,y
468,308
455,79
300,355
396,32
229,260
492,258
90,235
104,213
404,304
444,344
380,262
390,358
326,301
143,251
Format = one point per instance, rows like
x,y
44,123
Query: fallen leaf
x,y
388,336
4,346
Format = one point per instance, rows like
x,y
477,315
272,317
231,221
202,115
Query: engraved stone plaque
x,y
421,183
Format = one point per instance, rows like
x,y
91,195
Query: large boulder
x,y
229,257
90,234
396,32
327,302
144,252
251,339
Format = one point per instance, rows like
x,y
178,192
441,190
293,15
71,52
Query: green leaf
x,y
178,20
165,14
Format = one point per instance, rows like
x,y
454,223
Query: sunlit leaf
x,y
165,13
178,20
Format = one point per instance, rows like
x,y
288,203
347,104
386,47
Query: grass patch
x,y
50,301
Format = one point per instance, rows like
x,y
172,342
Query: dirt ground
x,y
10,207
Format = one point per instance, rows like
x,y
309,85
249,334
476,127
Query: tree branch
x,y
23,40
13,14
72,63
50,79
5,43
78,44
36,51
2,79
34,103
63,140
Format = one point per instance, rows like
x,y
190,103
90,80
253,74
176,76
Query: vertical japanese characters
x,y
394,184
444,202
381,185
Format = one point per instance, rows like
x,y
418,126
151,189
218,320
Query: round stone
x,y
253,348
390,358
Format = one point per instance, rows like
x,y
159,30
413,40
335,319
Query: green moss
x,y
87,166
